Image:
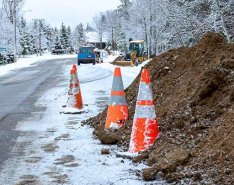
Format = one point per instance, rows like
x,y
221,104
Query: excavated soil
x,y
194,100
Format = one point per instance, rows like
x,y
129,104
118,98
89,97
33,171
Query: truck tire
x,y
94,62
78,62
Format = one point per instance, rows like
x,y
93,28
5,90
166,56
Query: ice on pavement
x,y
58,149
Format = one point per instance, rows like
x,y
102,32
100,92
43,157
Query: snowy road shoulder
x,y
59,150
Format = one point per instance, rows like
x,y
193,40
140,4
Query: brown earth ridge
x,y
194,100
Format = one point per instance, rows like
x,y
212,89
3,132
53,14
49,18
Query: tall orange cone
x,y
145,125
74,93
75,69
117,112
71,98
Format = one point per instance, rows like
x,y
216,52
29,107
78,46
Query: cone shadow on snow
x,y
75,111
78,112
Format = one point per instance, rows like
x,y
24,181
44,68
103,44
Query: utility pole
x,y
113,39
14,25
112,35
101,33
40,24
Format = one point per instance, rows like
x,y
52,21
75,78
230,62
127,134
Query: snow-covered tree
x,y
120,39
9,8
6,23
57,46
6,31
64,37
166,24
79,35
99,21
88,28
69,48
25,38
39,33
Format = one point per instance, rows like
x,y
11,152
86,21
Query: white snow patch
x,y
127,154
114,125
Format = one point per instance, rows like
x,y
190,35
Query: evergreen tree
x,y
81,34
64,37
57,47
44,29
88,28
70,48
120,39
33,44
25,40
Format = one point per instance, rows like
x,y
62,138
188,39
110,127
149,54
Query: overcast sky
x,y
71,12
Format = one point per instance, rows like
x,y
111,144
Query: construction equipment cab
x,y
136,50
134,55
86,55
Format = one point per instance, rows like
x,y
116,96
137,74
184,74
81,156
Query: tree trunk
x,y
222,20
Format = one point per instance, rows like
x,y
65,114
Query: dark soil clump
x,y
194,96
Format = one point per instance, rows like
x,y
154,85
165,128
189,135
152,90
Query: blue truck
x,y
86,54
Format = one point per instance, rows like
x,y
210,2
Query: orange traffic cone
x,y
145,126
117,112
71,98
75,69
74,93
77,91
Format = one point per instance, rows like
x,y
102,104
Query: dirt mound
x,y
194,94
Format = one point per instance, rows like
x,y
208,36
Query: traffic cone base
x,y
79,103
145,132
116,116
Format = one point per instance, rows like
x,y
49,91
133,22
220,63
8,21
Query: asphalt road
x,y
19,90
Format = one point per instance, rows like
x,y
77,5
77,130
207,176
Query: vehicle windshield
x,y
86,50
136,46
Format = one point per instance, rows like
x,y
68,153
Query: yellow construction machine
x,y
135,54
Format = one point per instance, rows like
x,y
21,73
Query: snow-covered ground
x,y
58,149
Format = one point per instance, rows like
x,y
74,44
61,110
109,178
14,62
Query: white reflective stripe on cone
x,y
145,112
132,144
145,92
76,90
71,101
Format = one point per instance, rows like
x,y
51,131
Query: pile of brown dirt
x,y
194,94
